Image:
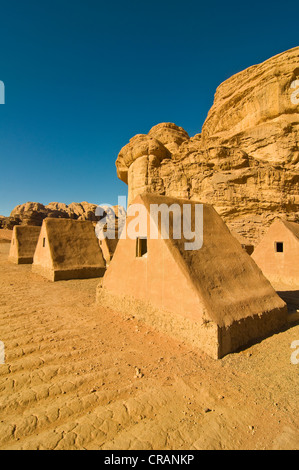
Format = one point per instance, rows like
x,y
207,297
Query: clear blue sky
x,y
84,76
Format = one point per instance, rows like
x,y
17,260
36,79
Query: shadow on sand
x,y
291,298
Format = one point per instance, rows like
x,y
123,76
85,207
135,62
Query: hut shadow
x,y
291,298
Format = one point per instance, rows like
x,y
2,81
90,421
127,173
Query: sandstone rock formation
x,y
7,223
3,221
246,160
33,213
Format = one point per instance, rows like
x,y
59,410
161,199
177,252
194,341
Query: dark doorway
x,y
279,247
141,247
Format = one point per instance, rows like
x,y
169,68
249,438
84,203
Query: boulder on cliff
x,y
246,160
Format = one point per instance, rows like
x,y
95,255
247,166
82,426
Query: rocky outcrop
x,y
255,110
7,223
33,213
246,160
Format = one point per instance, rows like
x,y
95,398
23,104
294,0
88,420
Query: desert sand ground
x,y
78,376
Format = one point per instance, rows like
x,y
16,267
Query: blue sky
x,y
84,76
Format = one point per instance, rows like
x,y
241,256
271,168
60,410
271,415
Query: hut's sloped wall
x,y
279,266
68,249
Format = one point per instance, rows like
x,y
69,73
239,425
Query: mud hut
x,y
68,249
215,297
23,244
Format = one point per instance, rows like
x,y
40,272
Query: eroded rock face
x,y
30,213
7,223
255,110
140,146
245,162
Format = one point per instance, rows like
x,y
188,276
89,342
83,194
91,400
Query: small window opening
x,y
279,247
44,242
141,247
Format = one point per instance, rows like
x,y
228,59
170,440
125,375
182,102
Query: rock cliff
x,y
33,213
246,160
